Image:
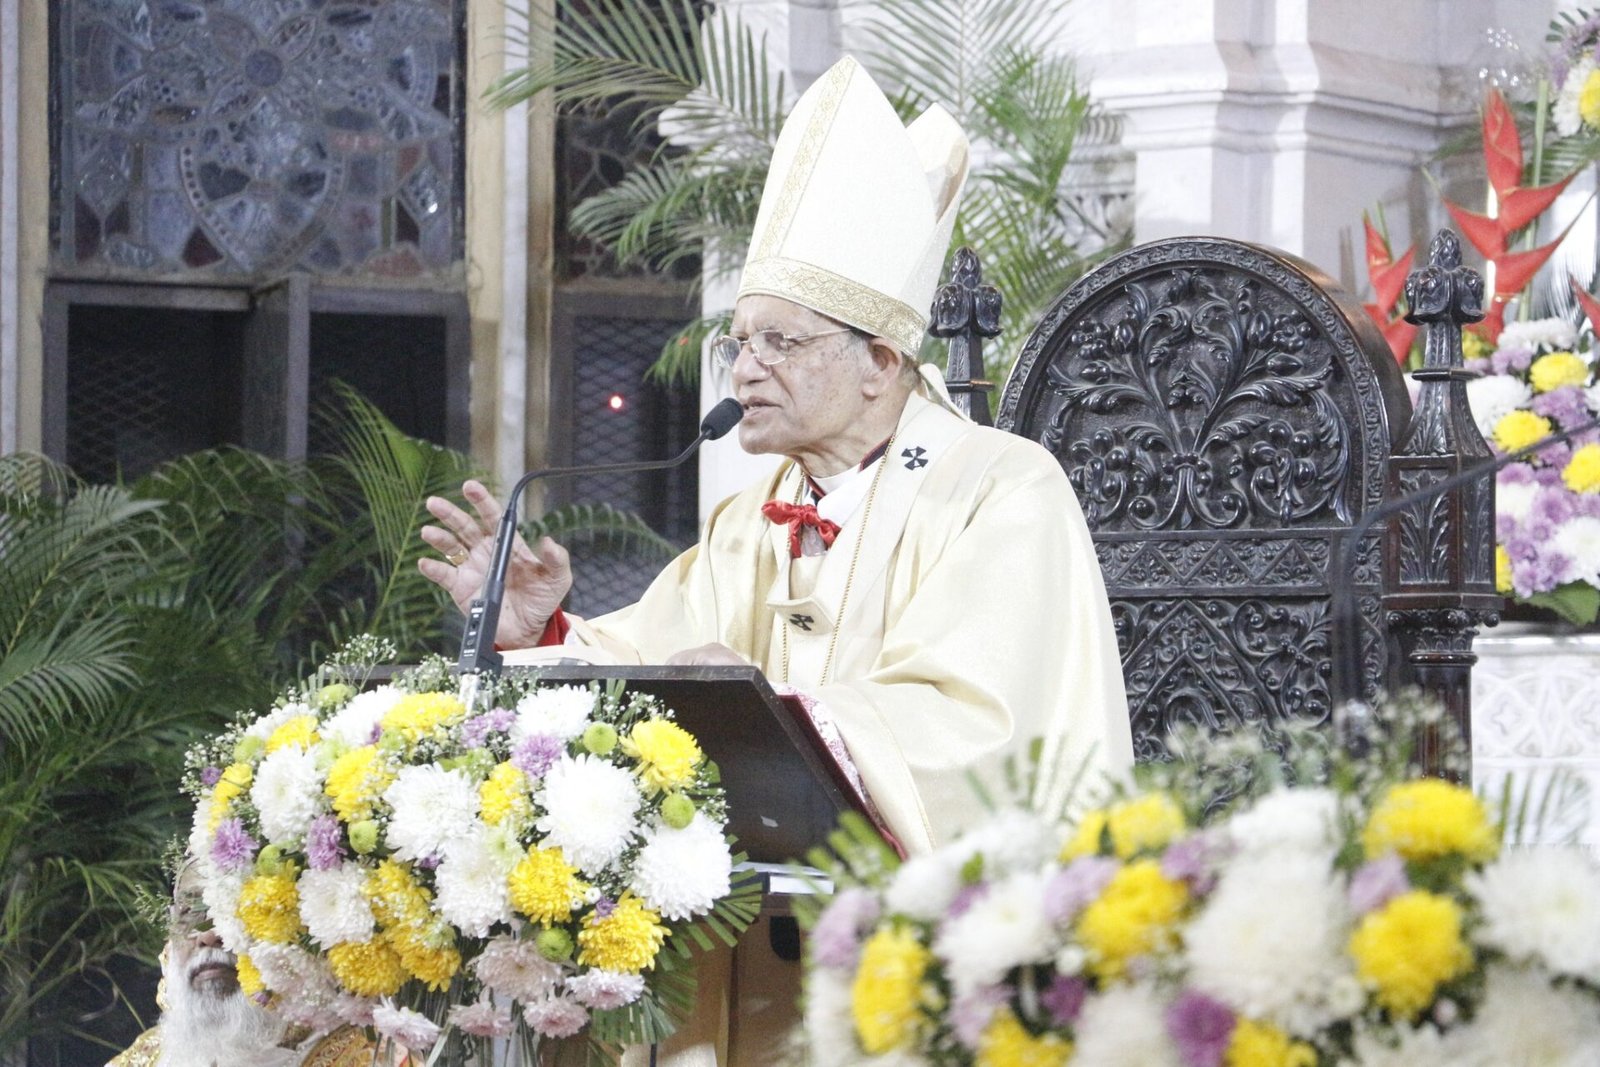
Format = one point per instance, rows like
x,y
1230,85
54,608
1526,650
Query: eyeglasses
x,y
768,346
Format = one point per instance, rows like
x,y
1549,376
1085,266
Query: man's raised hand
x,y
535,583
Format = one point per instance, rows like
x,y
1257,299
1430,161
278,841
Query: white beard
x,y
204,1029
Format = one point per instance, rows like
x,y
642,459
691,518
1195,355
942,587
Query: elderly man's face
x,y
796,407
196,958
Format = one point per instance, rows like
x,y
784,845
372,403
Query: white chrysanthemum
x,y
1269,942
559,710
1122,1027
1493,396
333,907
286,792
589,810
515,969
412,1029
1539,335
603,990
200,834
483,1019
220,892
470,889
681,873
1543,904
829,1026
354,1010
430,807
1526,1020
1003,928
924,886
1013,840
1292,820
263,727
1401,1046
1565,114
356,723
556,1017
1579,540
1515,500
296,973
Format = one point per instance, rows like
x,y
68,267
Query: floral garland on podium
x,y
531,862
1378,919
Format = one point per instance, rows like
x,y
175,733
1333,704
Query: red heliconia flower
x,y
1388,282
1590,306
1518,206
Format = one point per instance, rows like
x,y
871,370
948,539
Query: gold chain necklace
x,y
850,575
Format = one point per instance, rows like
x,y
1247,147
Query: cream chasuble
x,y
959,615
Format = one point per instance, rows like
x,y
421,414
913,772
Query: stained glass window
x,y
237,137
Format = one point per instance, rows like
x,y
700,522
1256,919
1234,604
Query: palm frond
x,y
603,527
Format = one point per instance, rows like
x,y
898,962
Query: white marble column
x,y
1280,122
10,265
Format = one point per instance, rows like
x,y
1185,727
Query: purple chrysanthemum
x,y
476,730
537,754
324,846
1076,886
972,1012
1201,1028
1375,884
210,776
1194,860
604,907
965,898
1064,999
836,939
232,848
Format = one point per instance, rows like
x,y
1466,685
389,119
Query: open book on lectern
x,y
786,787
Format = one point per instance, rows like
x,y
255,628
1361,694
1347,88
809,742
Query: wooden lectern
x,y
785,789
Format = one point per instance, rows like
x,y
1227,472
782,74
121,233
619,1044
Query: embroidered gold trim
x,y
831,95
837,297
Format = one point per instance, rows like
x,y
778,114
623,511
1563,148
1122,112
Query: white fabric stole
x,y
808,594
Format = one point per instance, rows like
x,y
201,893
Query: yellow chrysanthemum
x,y
1502,570
1582,472
503,796
543,886
1589,101
667,753
420,715
1430,818
355,782
626,940
1255,1044
1556,370
234,781
1144,825
887,991
1408,948
394,894
430,957
1007,1043
1473,345
250,983
1519,429
1085,840
367,968
269,907
300,731
1135,915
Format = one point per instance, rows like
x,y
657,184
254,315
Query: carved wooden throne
x,y
1225,412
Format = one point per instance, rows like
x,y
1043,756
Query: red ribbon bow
x,y
796,516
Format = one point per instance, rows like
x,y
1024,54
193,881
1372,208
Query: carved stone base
x,y
1536,712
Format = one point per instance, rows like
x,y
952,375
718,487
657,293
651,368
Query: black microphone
x,y
1346,681
483,617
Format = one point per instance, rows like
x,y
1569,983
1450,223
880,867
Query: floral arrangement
x,y
1374,920
1537,380
530,862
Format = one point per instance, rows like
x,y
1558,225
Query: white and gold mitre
x,y
857,211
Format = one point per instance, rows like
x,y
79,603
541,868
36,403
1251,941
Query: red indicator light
x,y
616,402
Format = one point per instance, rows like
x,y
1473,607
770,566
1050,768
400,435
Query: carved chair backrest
x,y
1224,412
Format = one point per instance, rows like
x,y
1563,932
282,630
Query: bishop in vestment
x,y
929,585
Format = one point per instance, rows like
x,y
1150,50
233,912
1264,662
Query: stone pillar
x,y
1280,122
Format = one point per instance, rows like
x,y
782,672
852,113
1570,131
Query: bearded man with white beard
x,y
207,1021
